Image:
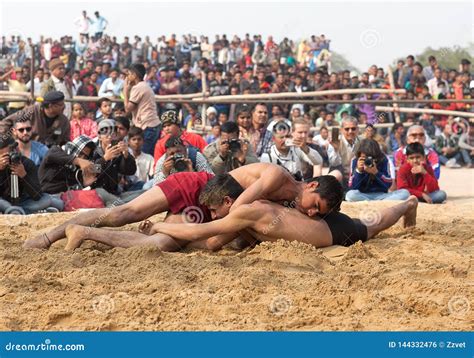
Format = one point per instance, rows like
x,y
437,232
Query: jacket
x,y
368,183
417,184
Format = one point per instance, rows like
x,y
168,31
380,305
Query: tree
x,y
447,57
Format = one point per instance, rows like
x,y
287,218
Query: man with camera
x,y
370,176
49,125
291,151
178,158
20,190
229,152
22,132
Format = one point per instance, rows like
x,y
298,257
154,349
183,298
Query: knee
x,y
337,174
353,195
403,194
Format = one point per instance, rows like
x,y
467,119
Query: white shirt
x,y
83,24
99,24
61,87
317,139
145,164
110,88
295,161
37,84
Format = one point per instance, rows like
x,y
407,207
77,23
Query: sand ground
x,y
405,279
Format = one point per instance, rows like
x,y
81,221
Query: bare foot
x,y
40,241
145,227
75,236
409,219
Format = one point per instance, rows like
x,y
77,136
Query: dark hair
x,y
242,109
329,189
230,127
217,188
102,100
415,148
396,126
124,121
370,148
173,142
135,132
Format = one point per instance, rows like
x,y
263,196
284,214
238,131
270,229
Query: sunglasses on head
x,y
347,129
26,129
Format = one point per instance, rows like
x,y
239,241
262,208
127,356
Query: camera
x,y
289,142
234,145
15,157
369,162
180,164
96,169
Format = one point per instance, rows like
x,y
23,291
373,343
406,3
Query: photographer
x,y
178,158
20,190
31,149
370,175
291,152
49,125
113,157
229,152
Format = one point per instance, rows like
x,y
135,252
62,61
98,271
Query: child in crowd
x,y
105,110
80,124
215,133
418,178
145,162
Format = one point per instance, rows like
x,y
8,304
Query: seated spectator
x,y
31,149
418,178
145,162
113,158
112,86
178,158
49,125
105,109
448,149
291,153
81,125
66,169
215,133
229,152
417,134
341,149
396,139
30,198
371,133
466,144
370,176
171,128
119,110
244,121
321,141
123,126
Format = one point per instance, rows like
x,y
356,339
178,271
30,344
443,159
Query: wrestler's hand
x,y
155,229
145,227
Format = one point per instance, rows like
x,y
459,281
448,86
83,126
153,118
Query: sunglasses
x,y
26,129
353,129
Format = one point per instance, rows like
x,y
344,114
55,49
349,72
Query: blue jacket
x,y
368,183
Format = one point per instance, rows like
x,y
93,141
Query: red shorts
x,y
182,191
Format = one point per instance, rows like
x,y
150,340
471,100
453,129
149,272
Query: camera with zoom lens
x,y
96,169
14,157
234,145
369,162
180,164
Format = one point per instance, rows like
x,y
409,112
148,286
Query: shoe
x,y
52,210
451,163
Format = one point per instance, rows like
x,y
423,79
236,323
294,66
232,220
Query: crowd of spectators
x,y
118,150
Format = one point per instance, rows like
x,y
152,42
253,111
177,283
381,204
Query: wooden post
x,y
32,74
395,97
204,94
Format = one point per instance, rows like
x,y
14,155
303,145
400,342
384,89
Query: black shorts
x,y
345,231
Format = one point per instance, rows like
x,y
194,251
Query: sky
x,y
365,33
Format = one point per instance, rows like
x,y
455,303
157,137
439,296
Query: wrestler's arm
x,y
232,223
272,179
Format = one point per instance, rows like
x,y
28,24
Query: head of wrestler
x,y
219,194
319,196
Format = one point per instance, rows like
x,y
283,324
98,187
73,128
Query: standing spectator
x,y
99,24
437,85
370,176
229,152
139,100
418,178
31,149
50,126
88,89
466,144
58,82
80,124
83,23
448,149
171,128
428,71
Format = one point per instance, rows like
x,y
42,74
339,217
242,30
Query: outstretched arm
x,y
271,180
232,223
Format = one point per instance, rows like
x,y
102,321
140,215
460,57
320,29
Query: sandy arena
x,y
416,279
